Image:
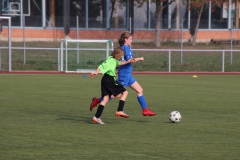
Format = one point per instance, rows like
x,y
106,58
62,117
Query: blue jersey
x,y
128,54
125,71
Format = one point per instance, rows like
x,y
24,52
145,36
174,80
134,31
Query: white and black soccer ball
x,y
175,117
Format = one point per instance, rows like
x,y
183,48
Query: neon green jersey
x,y
109,66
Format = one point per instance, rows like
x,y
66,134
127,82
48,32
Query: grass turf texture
x,y
48,117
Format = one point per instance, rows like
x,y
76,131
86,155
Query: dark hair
x,y
124,36
117,53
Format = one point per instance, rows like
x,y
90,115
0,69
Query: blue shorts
x,y
126,79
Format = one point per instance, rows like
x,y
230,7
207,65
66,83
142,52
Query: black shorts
x,y
111,87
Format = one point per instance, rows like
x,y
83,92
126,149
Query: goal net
x,y
84,56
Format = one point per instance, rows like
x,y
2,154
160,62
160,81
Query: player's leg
x,y
120,112
96,101
122,79
96,118
141,99
105,95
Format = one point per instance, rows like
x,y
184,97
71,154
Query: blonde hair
x,y
124,35
117,53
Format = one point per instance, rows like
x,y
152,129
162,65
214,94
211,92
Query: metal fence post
x,y
59,60
77,42
169,61
24,42
231,45
223,58
0,59
9,44
182,41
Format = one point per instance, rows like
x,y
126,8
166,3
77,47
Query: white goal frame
x,y
65,48
9,44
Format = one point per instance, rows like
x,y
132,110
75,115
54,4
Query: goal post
x,y
6,56
83,56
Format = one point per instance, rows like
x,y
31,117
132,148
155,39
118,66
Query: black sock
x,y
121,105
99,111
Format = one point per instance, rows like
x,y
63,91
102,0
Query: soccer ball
x,y
175,116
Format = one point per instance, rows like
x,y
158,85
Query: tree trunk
x,y
237,14
111,15
158,23
197,25
116,13
177,14
52,13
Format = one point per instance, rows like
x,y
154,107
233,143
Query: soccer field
x,y
48,117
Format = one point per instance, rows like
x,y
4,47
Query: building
x,y
106,19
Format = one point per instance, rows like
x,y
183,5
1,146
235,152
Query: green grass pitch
x,y
48,117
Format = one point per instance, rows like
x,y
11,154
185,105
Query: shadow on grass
x,y
169,122
75,118
108,120
142,121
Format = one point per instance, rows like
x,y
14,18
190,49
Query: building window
x,y
218,18
179,15
54,13
117,14
140,16
114,14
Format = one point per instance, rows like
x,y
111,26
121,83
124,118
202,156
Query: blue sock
x,y
100,99
142,102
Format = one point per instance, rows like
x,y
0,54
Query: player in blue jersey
x,y
125,75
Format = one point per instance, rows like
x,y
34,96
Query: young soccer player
x,y
109,85
125,75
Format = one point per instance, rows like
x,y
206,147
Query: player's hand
x,y
93,75
141,58
132,60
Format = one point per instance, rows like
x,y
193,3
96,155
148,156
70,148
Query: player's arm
x,y
126,62
139,59
104,67
95,73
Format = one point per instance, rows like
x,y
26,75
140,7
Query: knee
x,y
105,99
140,91
125,93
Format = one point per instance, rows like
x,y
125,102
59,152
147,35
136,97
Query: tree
x,y
115,4
237,14
0,15
198,6
177,14
160,5
52,13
